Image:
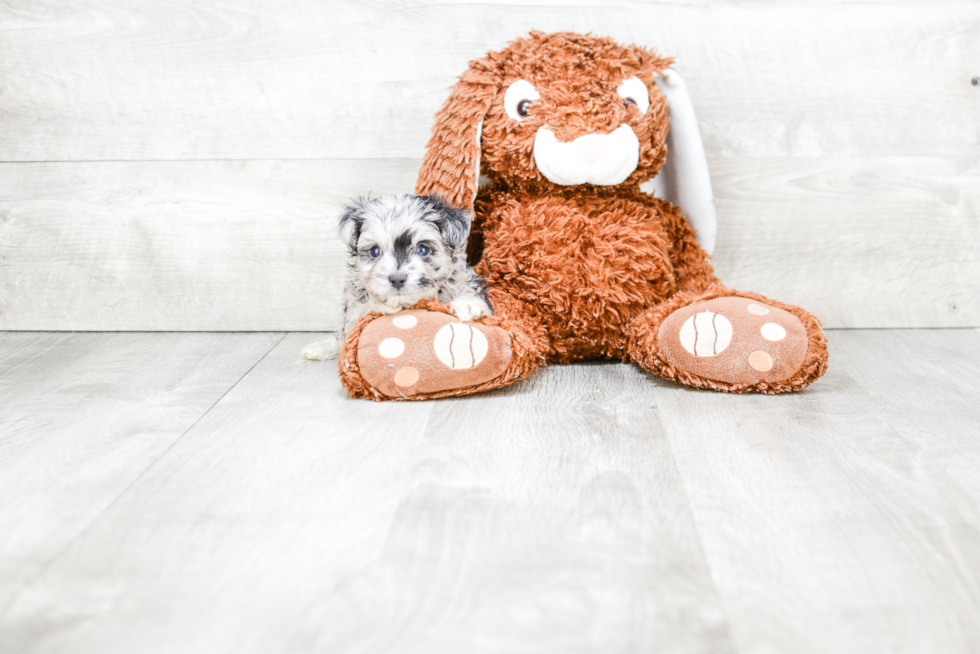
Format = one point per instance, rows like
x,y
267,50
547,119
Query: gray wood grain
x,y
876,242
179,79
841,138
252,245
826,527
83,416
179,246
934,403
591,508
547,517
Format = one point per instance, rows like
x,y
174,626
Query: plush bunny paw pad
x,y
414,352
734,340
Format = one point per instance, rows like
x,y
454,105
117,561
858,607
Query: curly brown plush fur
x,y
585,270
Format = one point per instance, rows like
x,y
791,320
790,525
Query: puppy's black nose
x,y
397,279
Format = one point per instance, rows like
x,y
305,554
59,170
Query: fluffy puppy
x,y
403,249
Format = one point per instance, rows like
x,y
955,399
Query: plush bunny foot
x,y
419,353
735,343
734,340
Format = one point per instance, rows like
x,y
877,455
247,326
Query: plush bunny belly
x,y
585,266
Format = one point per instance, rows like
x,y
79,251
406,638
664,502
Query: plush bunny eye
x,y
518,99
635,92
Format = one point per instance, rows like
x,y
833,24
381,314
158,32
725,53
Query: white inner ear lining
x,y
479,152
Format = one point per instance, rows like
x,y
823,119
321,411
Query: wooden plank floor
x,y
211,492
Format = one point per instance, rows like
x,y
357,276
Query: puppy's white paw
x,y
469,308
328,348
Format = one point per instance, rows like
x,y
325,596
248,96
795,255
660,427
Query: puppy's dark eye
x,y
424,250
630,102
522,107
375,251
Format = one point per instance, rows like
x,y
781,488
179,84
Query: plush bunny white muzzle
x,y
601,159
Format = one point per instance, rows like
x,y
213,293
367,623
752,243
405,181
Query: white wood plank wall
x,y
176,165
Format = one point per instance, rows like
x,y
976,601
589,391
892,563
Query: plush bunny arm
x,y
693,272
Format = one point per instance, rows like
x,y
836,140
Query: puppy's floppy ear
x,y
451,167
351,220
453,223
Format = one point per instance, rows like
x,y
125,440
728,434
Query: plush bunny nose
x,y
397,279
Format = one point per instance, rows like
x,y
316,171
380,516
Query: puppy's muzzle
x,y
397,280
601,159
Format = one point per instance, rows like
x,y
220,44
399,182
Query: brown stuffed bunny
x,y
579,262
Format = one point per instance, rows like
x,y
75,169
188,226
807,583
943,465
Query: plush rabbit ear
x,y
684,179
451,168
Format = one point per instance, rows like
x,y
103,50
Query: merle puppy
x,y
403,249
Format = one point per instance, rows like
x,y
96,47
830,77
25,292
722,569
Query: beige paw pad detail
x,y
706,334
460,346
772,332
417,352
405,321
406,376
391,348
734,340
760,361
